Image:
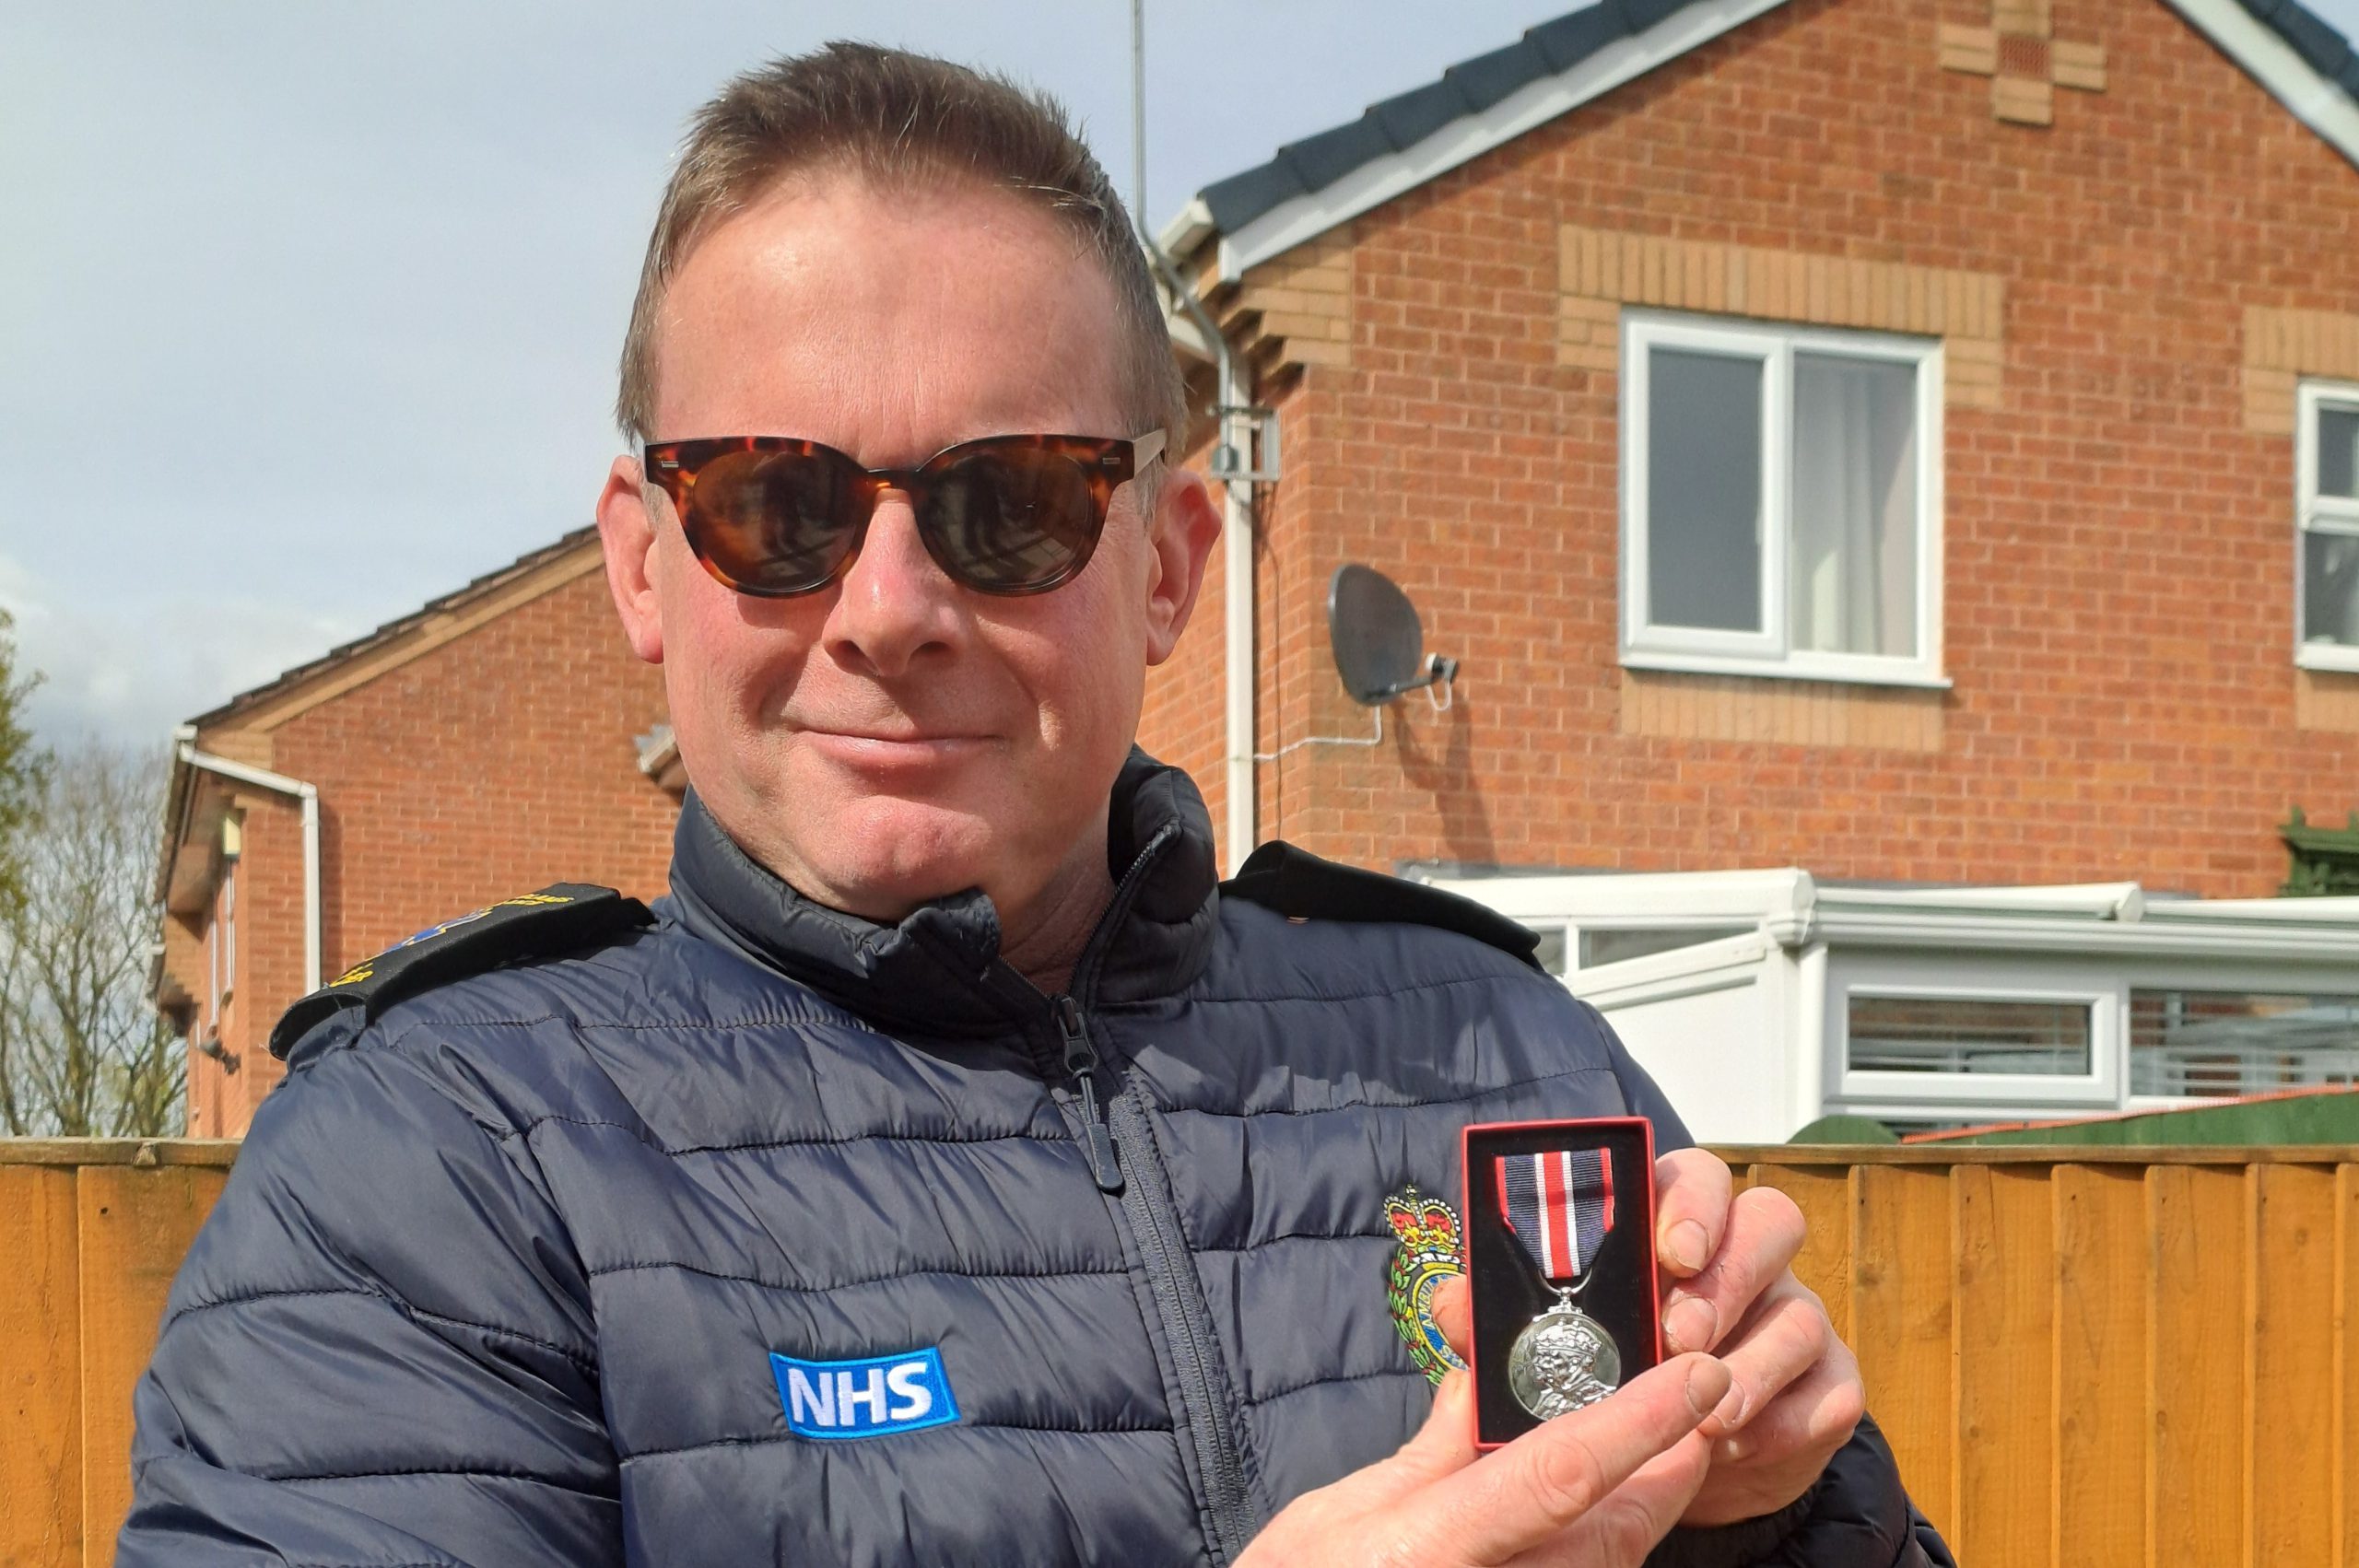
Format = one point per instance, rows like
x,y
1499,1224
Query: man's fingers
x,y
1634,1517
1817,1413
1453,1304
1786,1334
1444,1443
1765,1234
1539,1484
1691,1210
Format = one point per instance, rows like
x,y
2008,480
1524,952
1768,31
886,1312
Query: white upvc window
x,y
1932,1032
2326,571
1781,500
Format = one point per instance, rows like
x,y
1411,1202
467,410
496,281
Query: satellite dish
x,y
1380,643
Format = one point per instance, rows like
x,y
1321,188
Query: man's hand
x,y
1728,1288
1595,1489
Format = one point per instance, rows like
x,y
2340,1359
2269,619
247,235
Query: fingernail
x,y
1691,1323
1731,1411
1707,1384
1735,1450
1686,1243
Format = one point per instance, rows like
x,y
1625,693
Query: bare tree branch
x,y
82,1051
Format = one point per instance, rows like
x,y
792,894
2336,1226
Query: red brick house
x,y
491,742
1907,440
2072,288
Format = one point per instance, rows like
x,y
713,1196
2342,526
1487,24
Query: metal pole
x,y
1138,114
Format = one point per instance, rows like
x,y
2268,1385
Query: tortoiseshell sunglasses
x,y
774,516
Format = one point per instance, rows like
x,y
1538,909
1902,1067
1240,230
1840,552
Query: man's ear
x,y
627,534
1185,527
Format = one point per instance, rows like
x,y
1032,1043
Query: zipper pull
x,y
1081,1060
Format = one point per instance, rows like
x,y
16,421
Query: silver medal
x,y
1563,1360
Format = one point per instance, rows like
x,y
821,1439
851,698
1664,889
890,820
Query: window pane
x,y
2215,1043
2330,589
1854,588
1612,946
1702,490
1969,1034
1551,952
2339,452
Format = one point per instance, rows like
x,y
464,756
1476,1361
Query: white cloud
x,y
126,672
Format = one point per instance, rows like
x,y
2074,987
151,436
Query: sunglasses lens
x,y
1012,519
774,522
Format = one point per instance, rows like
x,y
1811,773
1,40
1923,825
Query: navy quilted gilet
x,y
497,1277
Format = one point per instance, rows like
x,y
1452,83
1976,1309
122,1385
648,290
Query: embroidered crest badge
x,y
1424,1253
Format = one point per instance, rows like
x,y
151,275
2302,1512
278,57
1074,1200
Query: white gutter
x,y
1236,616
308,794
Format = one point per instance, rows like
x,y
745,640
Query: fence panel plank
x,y
41,1361
134,1224
2199,1256
2345,1297
1825,1197
2100,1366
2293,1405
1900,1309
2006,1381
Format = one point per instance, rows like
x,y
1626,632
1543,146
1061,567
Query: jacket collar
x,y
938,968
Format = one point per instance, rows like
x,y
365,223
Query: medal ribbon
x,y
1560,1203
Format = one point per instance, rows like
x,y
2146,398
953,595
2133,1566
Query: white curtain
x,y
1853,587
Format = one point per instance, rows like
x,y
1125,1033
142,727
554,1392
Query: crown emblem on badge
x,y
1424,1253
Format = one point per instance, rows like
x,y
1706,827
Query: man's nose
x,y
894,605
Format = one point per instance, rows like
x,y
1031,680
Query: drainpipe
x,y
1232,448
309,795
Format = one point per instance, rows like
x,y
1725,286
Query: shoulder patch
x,y
555,920
1301,886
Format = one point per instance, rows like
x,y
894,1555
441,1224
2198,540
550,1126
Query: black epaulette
x,y
555,920
1302,886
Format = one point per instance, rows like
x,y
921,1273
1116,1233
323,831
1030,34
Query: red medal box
x,y
1537,1229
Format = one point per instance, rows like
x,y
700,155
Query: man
x,y
949,1105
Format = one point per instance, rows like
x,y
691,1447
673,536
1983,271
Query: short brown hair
x,y
897,118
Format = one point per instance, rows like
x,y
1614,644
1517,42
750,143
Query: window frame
x,y
1769,653
2099,989
2314,513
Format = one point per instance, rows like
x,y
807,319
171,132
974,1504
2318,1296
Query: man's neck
x,y
1044,939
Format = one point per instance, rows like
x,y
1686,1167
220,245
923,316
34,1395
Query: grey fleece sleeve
x,y
1858,1515
378,1353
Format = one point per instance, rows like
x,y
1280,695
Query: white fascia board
x,y
1640,897
1187,228
1981,935
1307,217
2323,913
2099,900
1186,336
1665,977
2317,102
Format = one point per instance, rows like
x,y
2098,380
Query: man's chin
x,y
886,856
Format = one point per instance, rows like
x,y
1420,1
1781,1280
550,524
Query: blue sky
x,y
309,311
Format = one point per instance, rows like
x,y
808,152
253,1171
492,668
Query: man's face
x,y
895,737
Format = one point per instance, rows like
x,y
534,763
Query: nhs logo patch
x,y
864,1399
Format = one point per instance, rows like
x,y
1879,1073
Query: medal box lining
x,y
1508,1291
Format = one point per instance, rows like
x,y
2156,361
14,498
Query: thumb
x,y
1446,1443
1453,1304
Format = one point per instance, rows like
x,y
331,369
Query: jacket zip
x,y
1081,1062
1121,1139
1194,1348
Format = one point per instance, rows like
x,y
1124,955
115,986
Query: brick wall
x,y
498,763
2127,277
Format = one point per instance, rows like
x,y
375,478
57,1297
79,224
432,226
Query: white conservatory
x,y
1762,1000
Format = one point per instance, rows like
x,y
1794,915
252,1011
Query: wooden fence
x,y
2115,1358
90,1233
